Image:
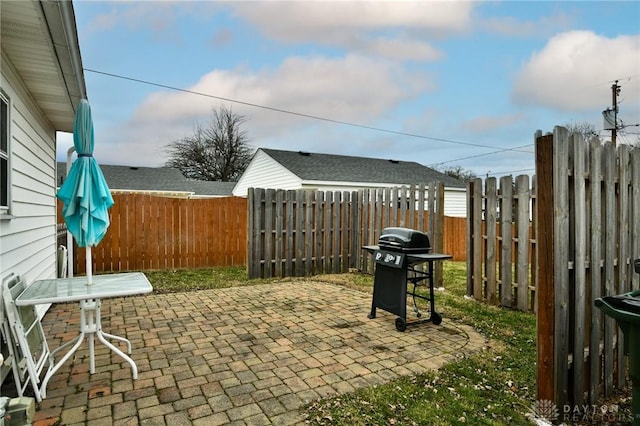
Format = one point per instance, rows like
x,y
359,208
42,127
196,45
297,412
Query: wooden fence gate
x,y
588,233
303,232
555,245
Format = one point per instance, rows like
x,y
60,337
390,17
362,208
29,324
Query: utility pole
x,y
615,90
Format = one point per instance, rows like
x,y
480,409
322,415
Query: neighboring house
x,y
271,168
160,181
41,86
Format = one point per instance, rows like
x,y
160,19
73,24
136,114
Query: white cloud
x,y
292,21
486,124
349,88
403,48
359,25
575,70
157,17
510,26
352,89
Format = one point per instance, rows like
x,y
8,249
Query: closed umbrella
x,y
85,194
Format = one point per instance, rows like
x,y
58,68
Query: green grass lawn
x,y
494,386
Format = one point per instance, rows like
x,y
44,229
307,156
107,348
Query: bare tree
x,y
217,152
586,129
459,172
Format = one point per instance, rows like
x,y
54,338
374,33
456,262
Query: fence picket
x,y
328,206
506,241
610,256
335,231
318,233
580,267
269,237
561,261
523,241
595,267
491,194
308,233
476,238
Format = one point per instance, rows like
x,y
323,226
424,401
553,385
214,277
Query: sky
x,y
443,83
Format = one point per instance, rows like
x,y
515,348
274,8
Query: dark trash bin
x,y
625,309
397,254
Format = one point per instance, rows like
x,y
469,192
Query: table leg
x,y
90,327
101,336
55,367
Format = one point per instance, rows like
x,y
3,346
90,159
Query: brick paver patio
x,y
250,355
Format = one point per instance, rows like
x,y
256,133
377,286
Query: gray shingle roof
x,y
343,168
155,179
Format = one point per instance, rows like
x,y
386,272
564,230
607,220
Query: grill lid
x,y
404,239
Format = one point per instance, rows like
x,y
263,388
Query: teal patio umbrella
x,y
84,193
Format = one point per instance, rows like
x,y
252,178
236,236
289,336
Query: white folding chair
x,y
6,349
62,262
25,338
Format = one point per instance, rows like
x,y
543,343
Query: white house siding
x,y
265,172
28,234
455,202
455,199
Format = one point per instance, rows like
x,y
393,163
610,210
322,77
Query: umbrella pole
x,y
89,266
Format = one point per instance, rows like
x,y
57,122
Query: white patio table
x,y
64,290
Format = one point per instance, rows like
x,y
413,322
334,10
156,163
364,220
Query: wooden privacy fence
x,y
555,243
501,241
149,232
587,234
304,232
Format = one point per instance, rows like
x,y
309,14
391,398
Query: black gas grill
x,y
404,240
397,254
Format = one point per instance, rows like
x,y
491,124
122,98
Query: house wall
x,y
28,233
455,202
265,172
455,199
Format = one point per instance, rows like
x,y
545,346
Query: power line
x,y
510,171
626,137
483,155
300,114
627,78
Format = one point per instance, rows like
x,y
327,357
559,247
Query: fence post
x,y
545,274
